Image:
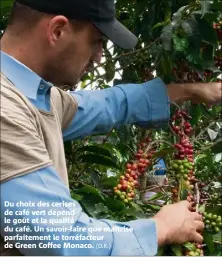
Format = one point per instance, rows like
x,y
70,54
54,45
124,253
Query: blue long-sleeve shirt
x,y
146,105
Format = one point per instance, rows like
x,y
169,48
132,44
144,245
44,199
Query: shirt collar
x,y
24,79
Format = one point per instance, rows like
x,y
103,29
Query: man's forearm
x,y
208,93
179,93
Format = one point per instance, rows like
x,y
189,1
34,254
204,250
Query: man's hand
x,y
208,93
176,224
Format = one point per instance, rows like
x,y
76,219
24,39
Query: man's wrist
x,y
161,231
179,93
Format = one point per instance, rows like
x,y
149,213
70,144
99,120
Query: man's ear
x,y
56,29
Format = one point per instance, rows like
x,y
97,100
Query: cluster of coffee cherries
x,y
212,222
182,168
184,148
183,163
196,251
181,126
181,129
147,74
184,74
216,197
203,195
141,56
218,61
129,181
218,29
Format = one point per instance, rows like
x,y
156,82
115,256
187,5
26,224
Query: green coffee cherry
x,y
175,166
181,168
216,229
213,222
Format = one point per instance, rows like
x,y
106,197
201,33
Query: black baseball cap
x,y
99,12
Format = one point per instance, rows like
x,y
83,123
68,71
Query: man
x,y
153,182
52,42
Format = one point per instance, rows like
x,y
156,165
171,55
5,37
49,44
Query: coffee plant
x,y
110,174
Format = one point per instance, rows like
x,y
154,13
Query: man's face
x,y
72,51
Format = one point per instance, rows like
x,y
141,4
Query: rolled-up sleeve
x,y
44,186
146,105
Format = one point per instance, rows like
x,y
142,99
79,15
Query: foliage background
x,y
178,42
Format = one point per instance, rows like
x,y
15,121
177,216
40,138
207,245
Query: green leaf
x,y
189,26
166,64
90,190
130,73
200,157
217,148
214,210
166,37
68,147
83,84
110,70
184,191
204,110
190,246
100,208
114,204
111,182
5,4
205,6
95,149
207,32
218,252
163,152
202,208
89,206
195,112
86,77
180,44
208,53
154,207
208,240
216,6
163,23
76,196
209,65
94,176
156,196
5,10
161,251
177,17
210,160
193,53
218,236
177,250
98,159
135,212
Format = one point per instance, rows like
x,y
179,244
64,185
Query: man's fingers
x,y
199,226
197,238
190,206
196,216
187,204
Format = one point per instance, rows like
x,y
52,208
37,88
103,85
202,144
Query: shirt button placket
x,y
41,87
